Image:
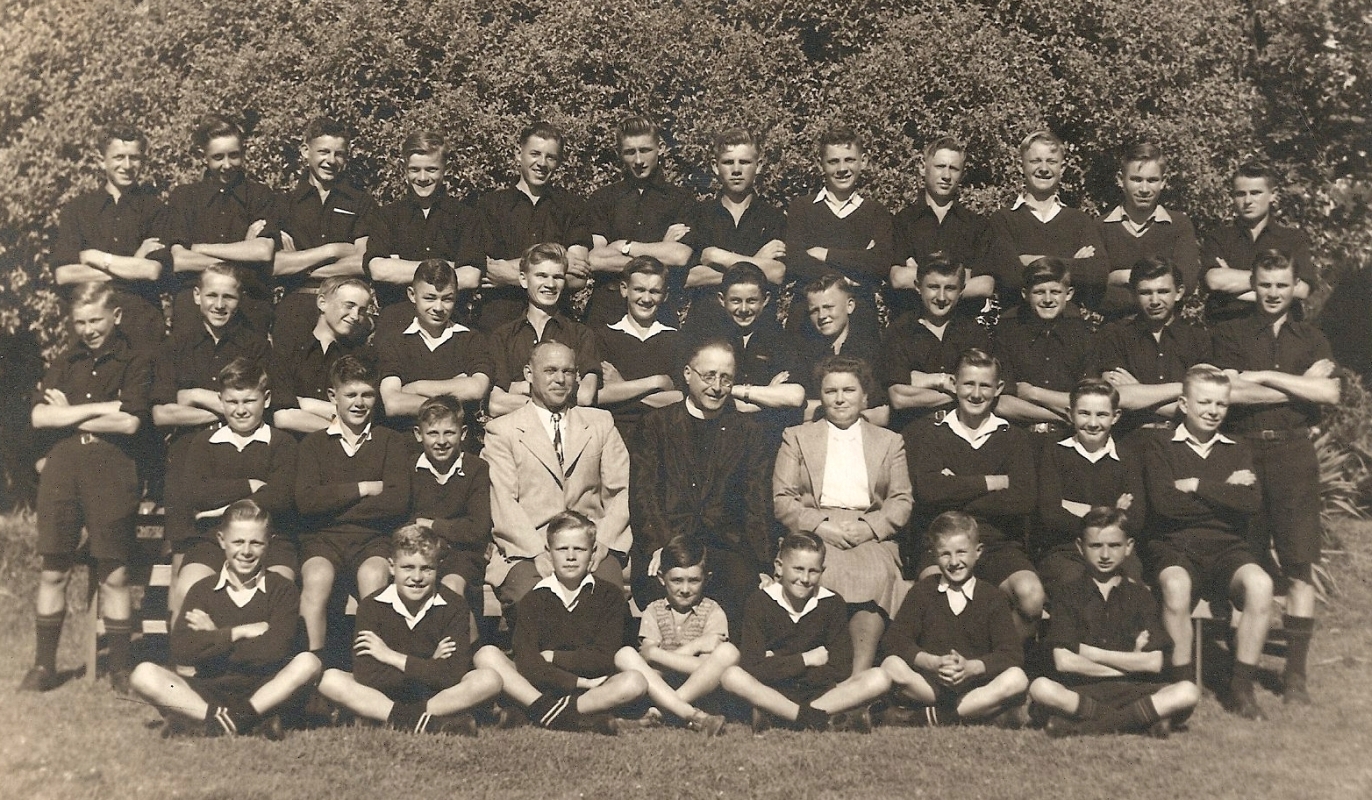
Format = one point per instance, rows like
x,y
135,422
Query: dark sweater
x,y
215,654
583,640
460,509
932,448
810,224
1216,511
985,630
768,628
1064,474
1175,240
217,474
326,484
1019,232
440,622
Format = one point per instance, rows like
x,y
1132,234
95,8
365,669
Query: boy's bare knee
x,y
1016,682
725,651
627,658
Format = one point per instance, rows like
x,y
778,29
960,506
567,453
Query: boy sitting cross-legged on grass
x,y
1108,644
412,656
238,629
953,647
570,625
796,653
685,633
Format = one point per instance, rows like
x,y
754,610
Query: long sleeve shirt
x,y
860,245
326,483
1217,510
215,654
1065,474
934,449
461,508
985,630
583,639
446,617
769,628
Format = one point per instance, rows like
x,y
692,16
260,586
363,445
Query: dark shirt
x,y
811,348
1129,344
460,509
772,647
210,212
304,370
634,359
326,481
1051,355
1065,474
192,359
760,223
114,372
1217,511
451,231
406,356
583,640
909,346
1238,249
985,629
513,223
95,221
1175,240
962,237
343,216
417,644
1081,616
1248,344
813,224
512,343
214,654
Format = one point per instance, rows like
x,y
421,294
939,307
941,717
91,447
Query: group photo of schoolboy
x,y
639,459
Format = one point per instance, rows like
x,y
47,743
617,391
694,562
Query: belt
x,y
1048,427
1278,436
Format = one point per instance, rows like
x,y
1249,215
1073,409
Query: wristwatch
x,y
625,248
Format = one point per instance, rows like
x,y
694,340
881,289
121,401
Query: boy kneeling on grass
x,y
412,656
796,654
686,634
570,625
1108,642
239,630
953,647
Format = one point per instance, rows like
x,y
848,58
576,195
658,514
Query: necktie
x,y
557,440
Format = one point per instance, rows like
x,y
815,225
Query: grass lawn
x,y
80,741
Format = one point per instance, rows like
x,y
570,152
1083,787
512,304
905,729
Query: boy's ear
x,y
722,302
118,315
267,399
1000,387
1119,179
1115,417
409,293
390,564
331,395
1071,290
418,436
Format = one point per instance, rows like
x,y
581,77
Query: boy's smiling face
x,y
957,556
842,165
1275,290
538,159
122,162
571,554
217,295
1104,550
1142,182
415,576
543,282
1042,166
644,293
244,408
977,389
353,402
424,173
223,158
830,310
1093,417
743,302
433,307
1048,298
440,437
94,323
799,572
939,294
1204,405
325,157
344,310
244,541
685,587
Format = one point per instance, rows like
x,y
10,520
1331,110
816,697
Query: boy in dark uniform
x,y
642,215
1284,375
95,396
1229,252
225,219
109,235
829,304
323,230
518,217
640,352
300,376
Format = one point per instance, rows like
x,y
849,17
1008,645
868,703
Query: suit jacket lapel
x,y
814,446
874,454
536,439
577,438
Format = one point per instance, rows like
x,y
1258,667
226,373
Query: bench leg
x,y
93,626
1198,643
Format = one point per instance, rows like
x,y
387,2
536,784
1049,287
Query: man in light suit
x,y
552,456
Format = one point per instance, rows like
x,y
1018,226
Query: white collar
x,y
1054,207
527,192
693,409
1183,434
842,209
546,416
777,593
344,438
1107,450
1117,214
568,597
628,326
391,596
976,438
434,342
853,433
241,593
225,435
423,462
968,587
937,330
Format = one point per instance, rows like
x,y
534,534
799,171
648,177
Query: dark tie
x,y
557,440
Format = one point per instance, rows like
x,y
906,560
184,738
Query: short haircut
x,y
1152,268
643,265
636,125
743,273
213,127
849,365
801,542
1100,517
122,132
545,344
1143,152
827,281
418,540
1097,387
326,126
436,272
839,136
940,264
351,369
953,523
222,269
1273,260
734,137
244,373
1042,135
1203,373
246,510
92,292
1046,270
710,343
945,143
541,252
440,407
682,551
331,287
542,129
976,357
1255,168
565,521
424,143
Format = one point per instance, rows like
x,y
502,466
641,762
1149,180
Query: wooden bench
x,y
147,569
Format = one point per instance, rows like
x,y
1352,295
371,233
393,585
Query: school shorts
x,y
469,565
91,483
999,560
280,552
800,690
222,689
1210,563
1118,693
345,551
1289,473
401,689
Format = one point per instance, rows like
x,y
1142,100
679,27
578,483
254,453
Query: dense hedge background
x,y
1212,80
